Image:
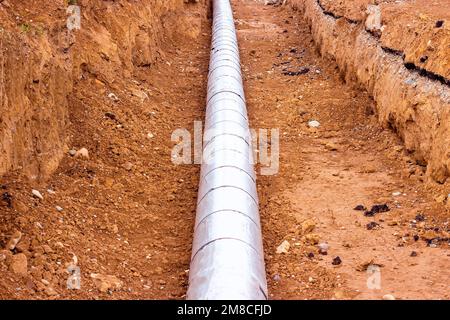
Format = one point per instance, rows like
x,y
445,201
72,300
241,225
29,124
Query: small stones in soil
x,y
312,238
113,97
420,217
373,226
105,283
308,226
439,23
313,124
110,115
37,194
128,166
49,291
368,265
7,198
82,153
19,264
336,261
360,207
300,71
283,247
377,209
15,238
330,146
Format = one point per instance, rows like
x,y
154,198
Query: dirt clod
x,y
377,209
336,261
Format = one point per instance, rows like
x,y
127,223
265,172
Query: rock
x,y
388,297
360,207
139,94
336,261
113,228
308,226
105,283
440,198
19,206
110,115
113,97
312,238
83,153
331,146
283,247
128,166
377,209
429,235
59,209
276,278
47,249
373,225
439,23
49,291
313,124
150,135
19,264
15,238
274,2
5,256
420,217
37,194
365,265
323,248
72,152
396,193
413,254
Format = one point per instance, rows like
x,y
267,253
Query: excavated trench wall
x,y
41,62
402,64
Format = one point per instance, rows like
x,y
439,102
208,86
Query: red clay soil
x,y
128,212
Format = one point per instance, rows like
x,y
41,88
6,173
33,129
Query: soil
x,y
128,212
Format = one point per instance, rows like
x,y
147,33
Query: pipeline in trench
x,y
227,254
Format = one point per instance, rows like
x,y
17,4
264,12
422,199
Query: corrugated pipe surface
x,y
227,255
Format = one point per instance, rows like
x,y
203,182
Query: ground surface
x,y
129,212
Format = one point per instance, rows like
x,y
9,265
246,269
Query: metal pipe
x,y
227,253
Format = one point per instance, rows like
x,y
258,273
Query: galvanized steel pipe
x,y
227,254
